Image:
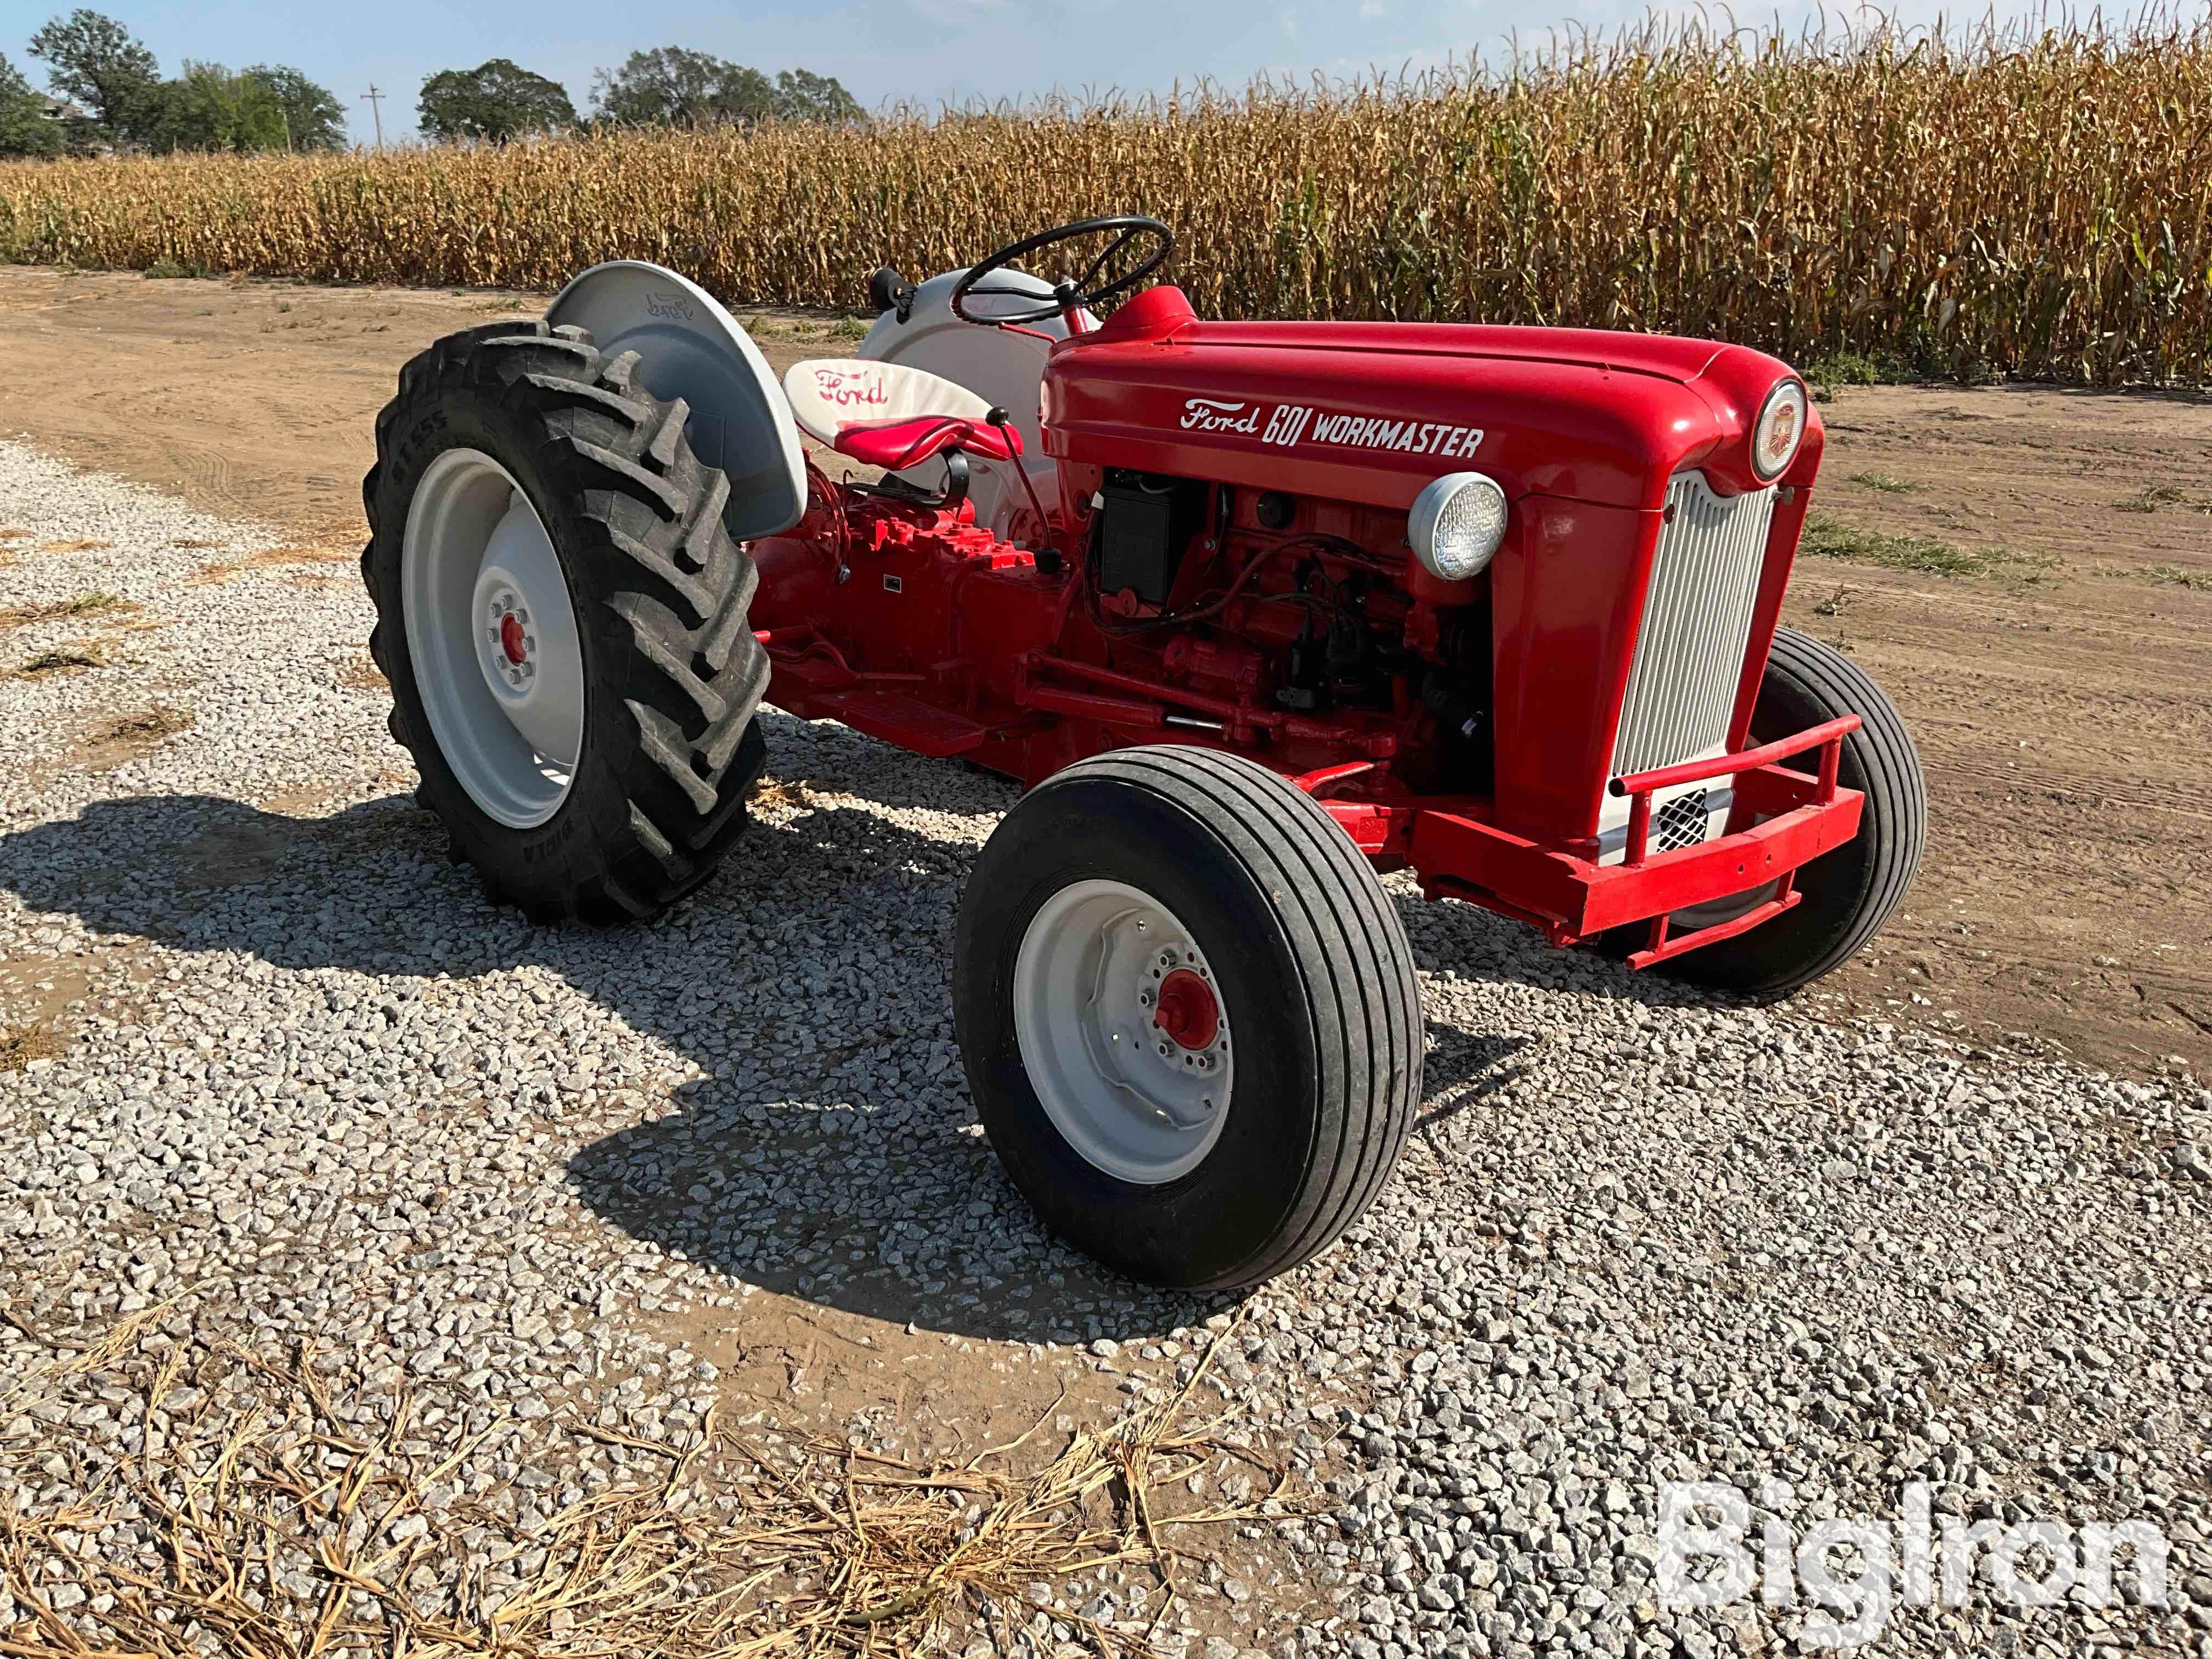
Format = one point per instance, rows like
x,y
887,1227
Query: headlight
x,y
1781,428
1457,524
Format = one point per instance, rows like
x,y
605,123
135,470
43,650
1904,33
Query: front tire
x,y
592,759
1850,892
1189,1015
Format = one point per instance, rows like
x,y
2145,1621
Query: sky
x,y
926,51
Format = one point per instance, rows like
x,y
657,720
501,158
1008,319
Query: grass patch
x,y
1876,368
1827,538
2167,575
168,267
21,1044
93,604
61,659
2154,497
84,544
150,727
1885,482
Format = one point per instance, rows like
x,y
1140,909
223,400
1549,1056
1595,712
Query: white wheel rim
x,y
493,638
1139,1085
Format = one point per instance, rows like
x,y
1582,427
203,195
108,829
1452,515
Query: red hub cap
x,y
1187,1010
510,637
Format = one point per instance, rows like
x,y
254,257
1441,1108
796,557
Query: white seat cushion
x,y
827,393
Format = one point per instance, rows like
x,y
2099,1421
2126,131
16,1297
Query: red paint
x,y
511,638
1187,1010
918,626
897,445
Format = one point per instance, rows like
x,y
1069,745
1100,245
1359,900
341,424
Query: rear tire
x,y
1319,1035
671,675
1850,892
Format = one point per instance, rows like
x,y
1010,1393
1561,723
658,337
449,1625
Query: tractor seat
x,y
889,414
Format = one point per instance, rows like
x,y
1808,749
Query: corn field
x,y
2031,201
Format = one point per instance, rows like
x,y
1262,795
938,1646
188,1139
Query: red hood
x,y
1371,412
1666,357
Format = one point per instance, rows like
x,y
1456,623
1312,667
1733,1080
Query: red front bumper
x,y
1791,818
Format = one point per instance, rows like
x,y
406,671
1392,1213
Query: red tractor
x,y
1254,611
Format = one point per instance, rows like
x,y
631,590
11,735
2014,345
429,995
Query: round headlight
x,y
1781,428
1457,524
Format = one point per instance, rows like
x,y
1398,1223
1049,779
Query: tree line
x,y
116,97
109,94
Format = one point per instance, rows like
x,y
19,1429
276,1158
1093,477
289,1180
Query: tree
x,y
674,86
208,107
497,101
314,116
801,95
24,128
96,61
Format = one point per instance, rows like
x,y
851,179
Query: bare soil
x,y
2062,701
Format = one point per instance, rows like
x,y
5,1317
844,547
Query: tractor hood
x,y
1371,412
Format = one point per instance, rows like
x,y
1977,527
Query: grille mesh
x,y
1697,626
1680,823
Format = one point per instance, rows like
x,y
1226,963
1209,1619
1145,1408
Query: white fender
x,y
690,348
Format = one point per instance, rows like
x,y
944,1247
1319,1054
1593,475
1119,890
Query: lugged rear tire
x,y
672,674
1316,985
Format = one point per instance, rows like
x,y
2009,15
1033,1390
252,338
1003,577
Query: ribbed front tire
x,y
1315,979
1848,893
672,674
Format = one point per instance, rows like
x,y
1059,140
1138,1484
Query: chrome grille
x,y
1697,626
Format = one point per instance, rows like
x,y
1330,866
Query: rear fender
x,y
690,347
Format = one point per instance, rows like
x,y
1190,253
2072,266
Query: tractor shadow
x,y
830,1152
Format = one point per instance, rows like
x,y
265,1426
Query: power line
x,y
375,112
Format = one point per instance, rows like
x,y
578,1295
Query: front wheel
x,y
1848,893
1188,1013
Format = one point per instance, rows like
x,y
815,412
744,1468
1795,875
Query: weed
x,y
91,603
1826,538
21,1044
61,659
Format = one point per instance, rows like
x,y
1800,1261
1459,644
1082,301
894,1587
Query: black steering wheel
x,y
1069,293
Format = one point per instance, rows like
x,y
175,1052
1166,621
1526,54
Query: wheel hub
x,y
1187,1009
493,638
1123,1031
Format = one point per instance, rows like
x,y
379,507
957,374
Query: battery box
x,y
1146,525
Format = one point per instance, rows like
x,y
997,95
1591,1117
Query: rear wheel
x,y
562,616
1188,1013
1848,893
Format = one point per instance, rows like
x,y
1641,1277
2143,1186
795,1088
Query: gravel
x,y
312,1078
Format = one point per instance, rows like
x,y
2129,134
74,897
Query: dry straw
x,y
2036,200
245,1512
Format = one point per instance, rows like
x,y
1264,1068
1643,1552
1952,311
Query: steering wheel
x,y
1068,294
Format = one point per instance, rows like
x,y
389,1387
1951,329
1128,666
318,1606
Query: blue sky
x,y
926,51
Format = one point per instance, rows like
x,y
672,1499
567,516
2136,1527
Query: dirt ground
x,y
2062,699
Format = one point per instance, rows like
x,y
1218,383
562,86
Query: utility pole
x,y
375,112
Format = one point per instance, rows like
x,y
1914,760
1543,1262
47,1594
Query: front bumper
x,y
1789,818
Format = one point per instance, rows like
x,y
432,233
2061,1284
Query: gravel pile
x,y
313,1081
